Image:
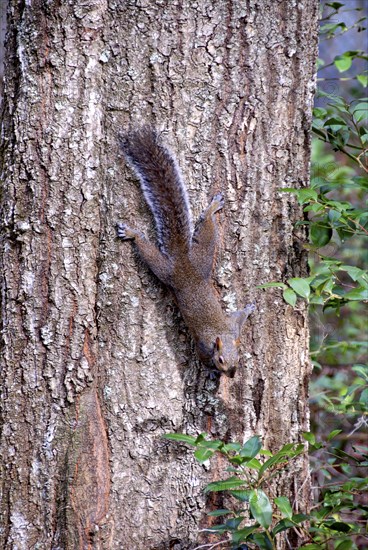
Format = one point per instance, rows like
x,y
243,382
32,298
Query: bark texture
x,y
96,361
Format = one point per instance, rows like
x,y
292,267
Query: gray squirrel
x,y
184,257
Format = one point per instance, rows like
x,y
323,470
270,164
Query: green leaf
x,y
335,120
319,132
339,106
219,529
364,397
237,460
224,485
283,504
317,300
201,438
272,285
344,545
254,464
301,286
189,439
242,535
320,63
334,215
288,190
265,452
320,234
202,454
289,296
335,123
339,205
212,444
251,447
360,111
299,518
260,507
339,526
361,371
282,525
330,28
314,208
233,523
342,62
332,434
358,294
240,494
220,512
363,79
261,541
335,5
354,272
310,437
319,112
231,447
306,195
282,456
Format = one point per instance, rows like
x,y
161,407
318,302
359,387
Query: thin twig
x,y
360,162
209,546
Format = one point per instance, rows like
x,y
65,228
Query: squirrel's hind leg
x,y
158,263
239,317
205,237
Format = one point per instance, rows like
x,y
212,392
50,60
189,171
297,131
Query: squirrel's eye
x,y
221,360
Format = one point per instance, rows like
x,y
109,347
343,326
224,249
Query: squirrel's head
x,y
226,355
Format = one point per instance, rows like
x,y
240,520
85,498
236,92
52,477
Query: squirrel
x,y
184,257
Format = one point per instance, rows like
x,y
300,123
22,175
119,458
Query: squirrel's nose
x,y
231,372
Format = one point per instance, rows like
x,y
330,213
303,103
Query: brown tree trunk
x,y
96,361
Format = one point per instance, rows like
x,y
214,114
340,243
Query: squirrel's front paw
x,y
217,202
249,308
124,231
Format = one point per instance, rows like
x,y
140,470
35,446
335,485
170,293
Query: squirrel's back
x,y
188,274
162,186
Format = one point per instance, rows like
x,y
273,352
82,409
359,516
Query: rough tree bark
x,y
96,361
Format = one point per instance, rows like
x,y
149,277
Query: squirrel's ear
x,y
218,344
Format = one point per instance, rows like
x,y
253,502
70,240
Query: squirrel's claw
x,y
124,231
217,203
249,308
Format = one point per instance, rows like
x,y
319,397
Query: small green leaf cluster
x,y
343,395
296,286
334,207
251,469
341,509
343,125
331,29
333,283
332,221
327,287
338,221
258,518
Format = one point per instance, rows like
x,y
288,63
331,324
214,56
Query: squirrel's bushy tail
x,y
162,187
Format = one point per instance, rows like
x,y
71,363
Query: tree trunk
x,y
97,363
